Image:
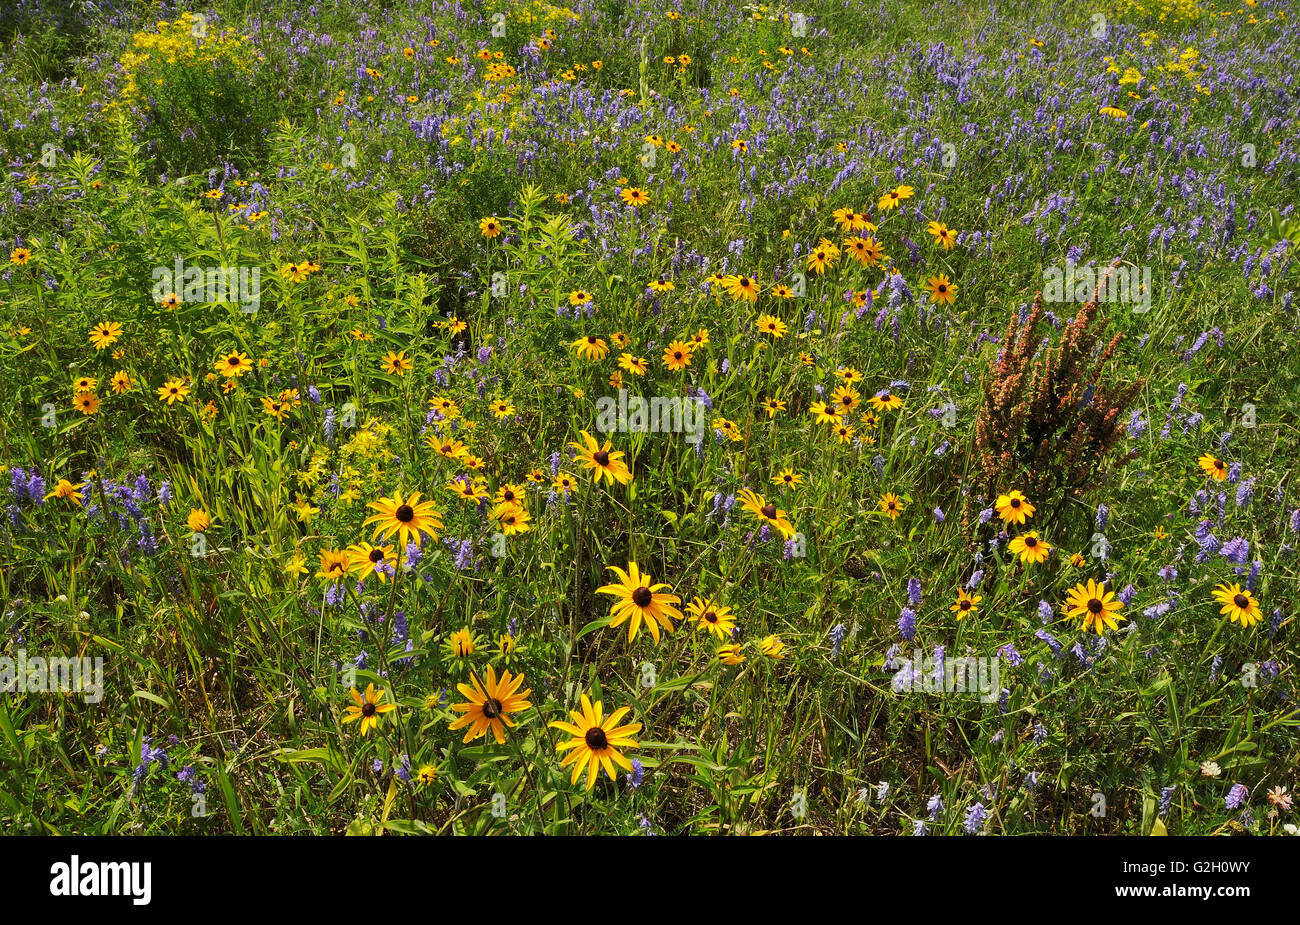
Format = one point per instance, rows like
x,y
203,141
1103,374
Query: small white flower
x,y
1210,769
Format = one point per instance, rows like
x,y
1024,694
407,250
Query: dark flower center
x,y
1242,601
1015,502
965,605
233,361
943,288
492,708
405,513
642,596
595,739
1094,606
376,555
885,396
711,616
1030,542
368,709
591,340
769,511
601,457
677,355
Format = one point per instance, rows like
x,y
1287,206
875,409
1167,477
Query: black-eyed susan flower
x,y
730,654
591,347
822,257
823,413
741,288
334,564
640,601
885,400
409,519
84,384
366,560
966,604
845,399
891,505
677,355
1212,466
943,291
1239,605
490,704
596,741
1014,507
564,483
105,333
86,402
894,198
633,364
367,707
712,616
634,196
787,478
461,644
67,491
1030,548
20,256
1091,603
511,518
489,227
772,406
942,234
397,363
120,383
233,364
173,390
765,511
770,324
602,460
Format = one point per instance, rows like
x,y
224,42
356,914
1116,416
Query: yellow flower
x,y
1239,605
772,647
891,505
489,705
640,601
1030,548
1095,606
1014,508
65,489
198,520
367,707
105,333
461,643
595,741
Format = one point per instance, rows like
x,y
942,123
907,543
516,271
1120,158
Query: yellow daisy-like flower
x,y
766,512
511,518
942,234
966,604
942,290
741,288
787,478
772,647
20,256
397,363
894,198
198,520
709,615
633,364
591,347
1095,606
885,400
1239,605
606,463
105,333
120,383
363,559
1214,467
490,705
891,505
173,390
677,355
596,741
461,643
730,654
640,601
634,196
66,490
1030,548
489,227
770,324
367,707
409,519
233,364
86,402
1014,508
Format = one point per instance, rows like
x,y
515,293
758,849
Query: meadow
x,y
855,417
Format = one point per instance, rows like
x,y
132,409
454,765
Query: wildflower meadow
x,y
841,417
